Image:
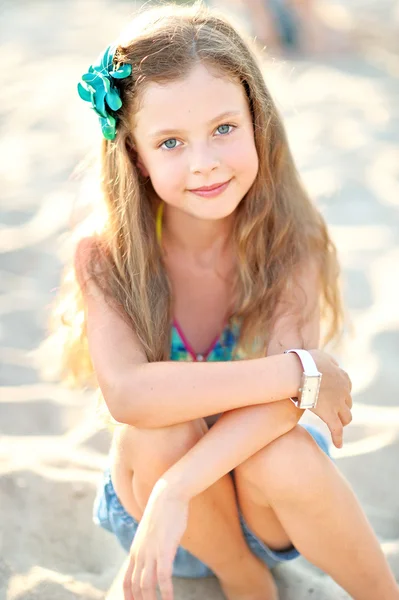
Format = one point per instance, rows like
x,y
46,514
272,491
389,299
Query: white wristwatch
x,y
310,382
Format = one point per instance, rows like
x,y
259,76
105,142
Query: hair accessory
x,y
99,89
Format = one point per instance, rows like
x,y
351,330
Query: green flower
x,y
99,89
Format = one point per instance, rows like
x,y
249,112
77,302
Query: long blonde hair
x,y
276,231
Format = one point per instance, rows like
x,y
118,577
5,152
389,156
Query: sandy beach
x,y
342,119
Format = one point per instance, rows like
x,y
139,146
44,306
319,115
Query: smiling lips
x,y
211,190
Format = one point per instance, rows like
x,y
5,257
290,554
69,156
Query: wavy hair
x,y
277,229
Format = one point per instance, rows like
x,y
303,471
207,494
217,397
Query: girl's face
x,y
209,139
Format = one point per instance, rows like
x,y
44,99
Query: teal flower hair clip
x,y
99,89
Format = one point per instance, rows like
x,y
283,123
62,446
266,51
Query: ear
x,y
142,168
131,148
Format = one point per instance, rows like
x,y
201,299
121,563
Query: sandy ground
x,y
343,123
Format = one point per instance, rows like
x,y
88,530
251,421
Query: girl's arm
x,y
160,394
166,393
236,436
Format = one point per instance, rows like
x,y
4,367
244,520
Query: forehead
x,y
197,99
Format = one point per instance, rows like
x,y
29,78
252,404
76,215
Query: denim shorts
x,y
109,513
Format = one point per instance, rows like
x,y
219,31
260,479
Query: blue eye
x,y
225,125
171,140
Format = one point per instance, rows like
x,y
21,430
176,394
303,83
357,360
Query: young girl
x,y
210,262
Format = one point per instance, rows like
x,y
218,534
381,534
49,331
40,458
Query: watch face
x,y
310,389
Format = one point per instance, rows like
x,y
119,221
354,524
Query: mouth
x,y
210,188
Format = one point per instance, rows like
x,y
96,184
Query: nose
x,y
203,159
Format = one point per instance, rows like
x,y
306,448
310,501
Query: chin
x,y
213,210
212,215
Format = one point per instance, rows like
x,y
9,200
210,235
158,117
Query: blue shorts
x,y
109,513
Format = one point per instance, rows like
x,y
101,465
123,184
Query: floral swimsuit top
x,y
221,348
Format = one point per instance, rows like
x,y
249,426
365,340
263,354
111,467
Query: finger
x,y
164,576
336,428
345,415
136,580
127,581
148,581
349,381
348,401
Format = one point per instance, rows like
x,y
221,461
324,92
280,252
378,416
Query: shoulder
x,y
83,260
303,287
307,272
83,251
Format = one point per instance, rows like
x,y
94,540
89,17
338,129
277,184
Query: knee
x,y
152,451
173,442
292,468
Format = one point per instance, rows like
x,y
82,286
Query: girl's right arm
x,y
165,393
159,394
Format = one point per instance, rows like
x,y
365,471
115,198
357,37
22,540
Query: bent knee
x,y
293,463
158,448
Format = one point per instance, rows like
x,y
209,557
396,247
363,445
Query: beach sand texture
x,y
342,120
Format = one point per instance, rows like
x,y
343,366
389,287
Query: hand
x,y
155,545
335,401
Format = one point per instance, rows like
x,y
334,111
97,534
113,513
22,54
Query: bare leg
x,y
213,533
318,511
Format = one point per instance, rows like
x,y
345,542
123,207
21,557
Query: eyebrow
x,y
161,132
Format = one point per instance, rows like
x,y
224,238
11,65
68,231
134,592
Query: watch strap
x,y
308,364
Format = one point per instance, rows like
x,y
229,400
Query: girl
x,y
210,262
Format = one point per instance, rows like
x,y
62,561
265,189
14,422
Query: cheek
x,y
254,163
166,177
245,161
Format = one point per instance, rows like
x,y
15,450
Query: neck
x,y
203,242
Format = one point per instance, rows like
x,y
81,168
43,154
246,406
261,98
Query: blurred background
x,y
333,68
